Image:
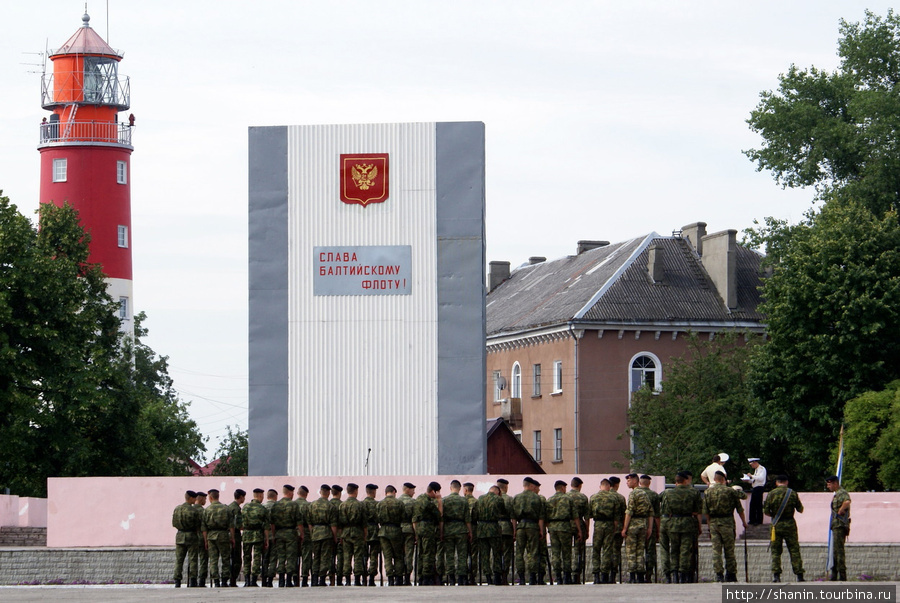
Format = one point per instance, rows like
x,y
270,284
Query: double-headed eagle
x,y
364,175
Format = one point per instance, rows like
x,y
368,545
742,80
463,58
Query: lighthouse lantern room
x,y
86,152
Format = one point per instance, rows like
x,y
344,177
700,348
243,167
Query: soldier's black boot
x,y
632,578
567,578
280,580
521,578
322,580
597,579
216,583
800,578
178,584
729,577
776,577
372,580
246,580
202,583
356,581
833,577
233,582
462,580
498,578
720,578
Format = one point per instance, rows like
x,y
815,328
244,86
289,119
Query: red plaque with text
x,y
364,178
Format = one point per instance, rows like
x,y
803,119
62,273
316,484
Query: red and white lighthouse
x,y
86,152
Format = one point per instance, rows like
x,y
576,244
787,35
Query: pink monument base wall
x,y
137,511
22,512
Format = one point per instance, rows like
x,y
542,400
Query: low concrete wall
x,y
155,565
23,512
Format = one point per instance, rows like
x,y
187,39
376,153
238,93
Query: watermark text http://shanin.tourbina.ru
x,y
810,592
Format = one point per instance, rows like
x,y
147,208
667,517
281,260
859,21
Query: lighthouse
x,y
86,153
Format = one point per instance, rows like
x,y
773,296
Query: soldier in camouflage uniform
x,y
390,516
507,538
840,527
337,562
583,512
719,505
268,563
784,528
202,552
409,534
652,528
355,523
529,515
457,534
471,551
285,521
218,521
323,527
562,524
638,515
486,513
186,520
373,544
304,563
614,483
680,508
237,548
426,522
255,522
603,508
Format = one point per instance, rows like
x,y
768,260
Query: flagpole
x,y
839,472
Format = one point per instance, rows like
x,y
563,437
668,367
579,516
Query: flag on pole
x,y
839,472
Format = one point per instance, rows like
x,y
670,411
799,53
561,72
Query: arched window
x,y
516,387
645,370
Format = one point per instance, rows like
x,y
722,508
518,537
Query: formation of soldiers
x,y
459,539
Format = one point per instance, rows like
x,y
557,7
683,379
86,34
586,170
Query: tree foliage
x,y
837,131
704,408
233,453
76,397
872,440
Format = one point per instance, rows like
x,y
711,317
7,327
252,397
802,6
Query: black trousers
x,y
756,505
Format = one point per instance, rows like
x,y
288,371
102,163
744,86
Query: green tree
x,y
76,397
233,453
872,440
837,131
704,407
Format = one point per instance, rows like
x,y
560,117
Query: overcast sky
x,y
604,120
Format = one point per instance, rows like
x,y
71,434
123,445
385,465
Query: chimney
x,y
720,261
655,262
499,272
588,245
695,233
536,259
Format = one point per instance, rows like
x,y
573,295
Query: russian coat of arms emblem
x,y
364,178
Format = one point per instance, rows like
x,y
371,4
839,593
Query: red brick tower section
x,y
86,152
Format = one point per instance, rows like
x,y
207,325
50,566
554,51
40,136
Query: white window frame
x,y
633,385
121,172
536,380
536,445
122,236
557,444
515,388
498,393
123,307
557,377
60,169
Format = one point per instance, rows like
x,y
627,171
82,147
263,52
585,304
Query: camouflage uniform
x,y
507,538
603,508
471,550
719,505
582,506
486,513
409,534
528,510
321,516
354,519
650,544
457,518
304,563
373,544
218,518
268,563
617,537
201,555
427,518
561,525
840,529
237,548
679,507
640,509
785,531
186,520
390,514
255,520
284,518
337,560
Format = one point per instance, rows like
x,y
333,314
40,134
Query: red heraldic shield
x,y
364,178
